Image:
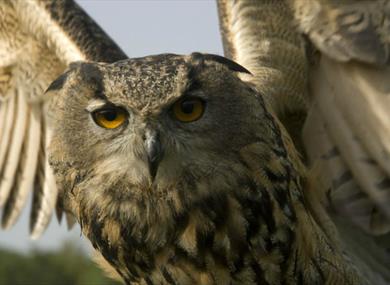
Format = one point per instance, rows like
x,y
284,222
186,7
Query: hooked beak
x,y
154,151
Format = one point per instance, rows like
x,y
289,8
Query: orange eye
x,y
110,118
188,110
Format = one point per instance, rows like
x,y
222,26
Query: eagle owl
x,y
185,169
176,170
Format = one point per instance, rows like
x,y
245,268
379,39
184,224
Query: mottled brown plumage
x,y
226,205
223,199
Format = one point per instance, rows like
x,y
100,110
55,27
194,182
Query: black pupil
x,y
187,107
110,115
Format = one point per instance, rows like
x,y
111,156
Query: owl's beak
x,y
154,151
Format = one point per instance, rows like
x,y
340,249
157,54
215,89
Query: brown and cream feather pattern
x,y
345,134
226,208
226,198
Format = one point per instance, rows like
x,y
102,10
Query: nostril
x,y
144,137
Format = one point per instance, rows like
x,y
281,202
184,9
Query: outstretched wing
x,y
348,126
259,35
322,65
339,89
38,39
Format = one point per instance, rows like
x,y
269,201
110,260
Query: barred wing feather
x,y
38,39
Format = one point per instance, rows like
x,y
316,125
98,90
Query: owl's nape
x,y
178,174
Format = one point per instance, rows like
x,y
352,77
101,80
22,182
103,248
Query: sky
x,y
140,28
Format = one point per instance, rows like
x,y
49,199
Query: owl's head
x,y
154,136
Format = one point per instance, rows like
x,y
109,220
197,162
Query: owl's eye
x,y
110,118
188,109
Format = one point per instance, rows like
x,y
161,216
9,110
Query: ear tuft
x,y
232,65
86,69
58,83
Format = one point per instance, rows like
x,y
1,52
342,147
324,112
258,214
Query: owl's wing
x,y
38,39
347,30
347,129
347,133
321,65
259,36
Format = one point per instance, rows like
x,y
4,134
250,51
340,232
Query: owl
x,y
270,168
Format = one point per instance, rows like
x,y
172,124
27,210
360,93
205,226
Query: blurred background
x,y
140,28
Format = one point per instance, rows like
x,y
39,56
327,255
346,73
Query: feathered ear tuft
x,y
58,83
232,65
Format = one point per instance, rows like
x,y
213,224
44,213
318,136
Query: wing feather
x,y
15,148
351,173
3,113
353,100
365,103
7,131
45,194
38,39
28,166
340,190
347,30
